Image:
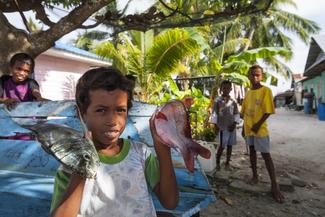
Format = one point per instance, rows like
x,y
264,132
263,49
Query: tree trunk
x,y
249,35
14,40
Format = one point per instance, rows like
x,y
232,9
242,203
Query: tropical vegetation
x,y
171,38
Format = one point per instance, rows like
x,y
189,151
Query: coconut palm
x,y
268,29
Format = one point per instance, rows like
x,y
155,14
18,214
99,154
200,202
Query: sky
x,y
313,10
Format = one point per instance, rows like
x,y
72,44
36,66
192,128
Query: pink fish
x,y
173,128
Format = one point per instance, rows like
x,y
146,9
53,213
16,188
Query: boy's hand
x,y
256,127
243,132
232,127
160,145
42,99
10,103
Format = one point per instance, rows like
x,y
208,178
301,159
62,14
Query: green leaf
x,y
107,50
236,78
259,53
169,49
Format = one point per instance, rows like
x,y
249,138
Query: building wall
x,y
57,76
318,85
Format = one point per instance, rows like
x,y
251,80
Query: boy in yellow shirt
x,y
256,108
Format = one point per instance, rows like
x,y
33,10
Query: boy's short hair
x,y
224,82
256,66
24,58
106,78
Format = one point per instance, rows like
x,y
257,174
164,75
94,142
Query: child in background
x,y
18,87
128,170
227,117
256,108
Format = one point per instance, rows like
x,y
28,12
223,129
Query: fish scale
x,y
69,147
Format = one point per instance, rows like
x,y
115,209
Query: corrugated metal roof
x,y
78,51
315,63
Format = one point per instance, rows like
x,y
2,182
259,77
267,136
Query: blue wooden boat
x,y
27,171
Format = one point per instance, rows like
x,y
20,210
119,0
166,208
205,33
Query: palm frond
x,y
300,26
278,66
281,3
107,50
230,47
200,40
133,57
168,50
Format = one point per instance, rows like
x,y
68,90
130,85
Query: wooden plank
x,y
65,108
27,157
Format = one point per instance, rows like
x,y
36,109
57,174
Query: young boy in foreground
x,y
127,170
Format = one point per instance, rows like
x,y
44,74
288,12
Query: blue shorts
x,y
261,144
227,138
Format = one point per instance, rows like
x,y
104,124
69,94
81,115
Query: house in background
x,y
315,68
58,69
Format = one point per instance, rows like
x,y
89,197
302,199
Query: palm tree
x,y
269,29
150,58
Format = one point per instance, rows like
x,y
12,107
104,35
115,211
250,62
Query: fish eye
x,y
86,157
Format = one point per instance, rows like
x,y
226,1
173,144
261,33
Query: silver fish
x,y
69,147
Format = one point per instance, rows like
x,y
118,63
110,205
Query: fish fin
x,y
188,157
161,115
199,149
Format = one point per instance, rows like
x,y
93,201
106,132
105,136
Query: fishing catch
x,y
69,147
172,124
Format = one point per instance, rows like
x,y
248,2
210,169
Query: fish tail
x,y
188,157
199,149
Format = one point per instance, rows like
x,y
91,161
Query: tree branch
x,y
41,15
67,24
99,21
22,15
175,10
10,6
169,22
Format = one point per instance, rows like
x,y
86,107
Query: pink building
x,y
58,69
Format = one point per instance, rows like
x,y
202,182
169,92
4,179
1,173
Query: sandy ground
x,y
298,148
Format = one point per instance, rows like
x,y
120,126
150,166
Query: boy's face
x,y
106,116
226,88
255,76
20,71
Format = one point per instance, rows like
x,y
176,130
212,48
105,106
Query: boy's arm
x,y
37,94
34,87
9,103
258,125
268,108
70,203
166,189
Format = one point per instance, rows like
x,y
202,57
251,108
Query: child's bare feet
x,y
253,181
276,194
227,167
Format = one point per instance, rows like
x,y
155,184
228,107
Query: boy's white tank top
x,y
120,189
